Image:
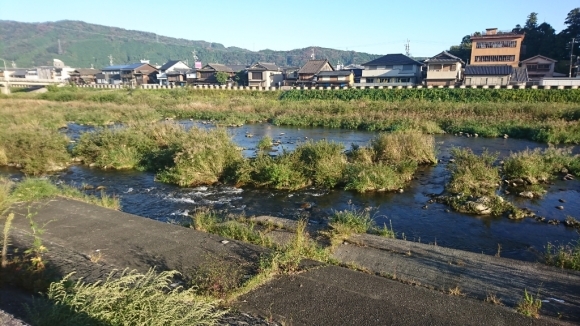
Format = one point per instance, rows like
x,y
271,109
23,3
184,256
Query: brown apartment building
x,y
494,47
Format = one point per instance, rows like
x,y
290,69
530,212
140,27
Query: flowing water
x,y
410,214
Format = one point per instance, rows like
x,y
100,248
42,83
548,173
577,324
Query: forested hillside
x,y
83,44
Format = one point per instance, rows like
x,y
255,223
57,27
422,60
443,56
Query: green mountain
x,y
79,44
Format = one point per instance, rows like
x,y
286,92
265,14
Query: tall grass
x,y
473,175
32,189
540,165
131,299
564,256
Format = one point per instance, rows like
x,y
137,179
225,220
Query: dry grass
x,y
456,291
493,299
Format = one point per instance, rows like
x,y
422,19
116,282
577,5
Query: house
x,y
491,75
207,74
307,75
264,74
392,70
191,76
177,77
138,74
290,75
82,76
496,47
444,69
356,70
539,67
340,78
170,67
110,75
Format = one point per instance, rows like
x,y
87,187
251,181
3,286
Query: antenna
x,y
408,48
110,59
59,47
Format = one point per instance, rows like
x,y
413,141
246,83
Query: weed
x,y
346,222
563,256
265,143
473,175
33,189
5,239
493,299
529,306
387,231
456,291
536,166
131,299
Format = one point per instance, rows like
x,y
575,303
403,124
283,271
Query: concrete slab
x,y
338,296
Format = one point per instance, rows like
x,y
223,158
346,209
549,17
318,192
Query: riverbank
x,y
310,296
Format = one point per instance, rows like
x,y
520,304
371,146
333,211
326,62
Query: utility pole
x,y
571,56
59,47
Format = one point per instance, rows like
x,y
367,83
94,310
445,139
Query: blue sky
x,y
372,26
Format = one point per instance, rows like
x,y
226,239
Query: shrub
x,y
202,158
529,306
36,149
363,177
322,162
395,148
265,143
540,165
473,175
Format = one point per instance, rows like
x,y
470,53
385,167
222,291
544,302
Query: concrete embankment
x,y
76,233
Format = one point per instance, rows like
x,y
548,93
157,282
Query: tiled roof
x,y
169,64
495,70
87,71
114,67
133,66
264,66
538,57
216,67
393,59
444,57
519,75
236,68
334,73
313,66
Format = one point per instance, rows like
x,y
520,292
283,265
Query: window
x,y
407,67
434,67
496,44
257,75
388,67
370,80
383,80
403,80
495,58
372,67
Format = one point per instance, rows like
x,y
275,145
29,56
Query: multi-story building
x,y
494,47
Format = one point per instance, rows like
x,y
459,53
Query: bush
x,y
540,165
473,175
395,148
201,158
36,149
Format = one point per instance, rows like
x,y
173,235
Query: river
x,y
411,216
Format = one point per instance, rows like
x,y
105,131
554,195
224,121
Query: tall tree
x,y
532,21
463,50
572,31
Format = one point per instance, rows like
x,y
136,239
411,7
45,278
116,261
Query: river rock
x,y
505,136
526,194
560,207
564,170
568,177
553,222
561,200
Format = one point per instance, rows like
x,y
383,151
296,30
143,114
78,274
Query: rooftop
x,y
393,59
